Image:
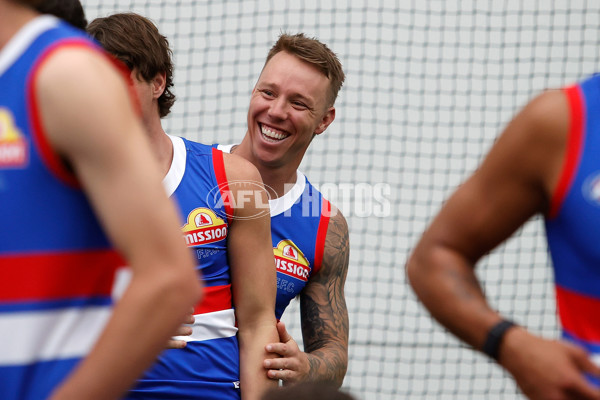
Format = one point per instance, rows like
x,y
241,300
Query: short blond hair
x,y
316,53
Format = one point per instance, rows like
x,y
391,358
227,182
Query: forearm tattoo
x,y
323,309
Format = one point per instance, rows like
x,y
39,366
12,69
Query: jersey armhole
x,y
574,148
321,235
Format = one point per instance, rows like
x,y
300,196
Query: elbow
x,y
181,288
413,269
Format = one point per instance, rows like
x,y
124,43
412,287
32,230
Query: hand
x,y
292,366
183,330
548,369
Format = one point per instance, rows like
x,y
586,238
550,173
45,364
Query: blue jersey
x,y
573,224
299,221
56,264
208,367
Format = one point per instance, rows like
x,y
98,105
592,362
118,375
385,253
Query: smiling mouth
x,y
271,134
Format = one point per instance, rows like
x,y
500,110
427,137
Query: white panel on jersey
x,y
214,325
23,38
50,335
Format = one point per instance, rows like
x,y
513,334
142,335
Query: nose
x,y
278,108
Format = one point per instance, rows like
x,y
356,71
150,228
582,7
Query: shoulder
x,y
239,169
337,227
72,73
336,251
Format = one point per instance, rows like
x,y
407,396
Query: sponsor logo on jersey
x,y
290,260
13,146
591,189
203,226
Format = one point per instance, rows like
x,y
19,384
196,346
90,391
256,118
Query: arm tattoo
x,y
323,308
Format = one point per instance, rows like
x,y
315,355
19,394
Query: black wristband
x,y
494,338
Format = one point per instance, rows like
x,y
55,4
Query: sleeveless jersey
x,y
208,367
299,221
573,224
56,264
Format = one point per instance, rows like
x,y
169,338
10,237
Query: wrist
x,y
495,337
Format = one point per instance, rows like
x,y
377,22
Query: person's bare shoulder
x,y
240,169
76,87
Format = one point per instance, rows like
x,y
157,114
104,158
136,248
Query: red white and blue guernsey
x,y
573,224
56,264
299,221
208,367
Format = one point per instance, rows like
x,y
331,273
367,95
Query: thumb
x,y
284,336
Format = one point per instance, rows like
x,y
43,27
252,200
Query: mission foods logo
x,y
290,260
203,226
13,147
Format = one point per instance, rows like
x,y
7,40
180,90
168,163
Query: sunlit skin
x,y
290,100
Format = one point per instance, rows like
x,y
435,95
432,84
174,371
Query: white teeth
x,y
271,134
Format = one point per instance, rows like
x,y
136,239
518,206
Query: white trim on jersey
x,y
285,202
214,325
65,333
173,178
23,39
595,359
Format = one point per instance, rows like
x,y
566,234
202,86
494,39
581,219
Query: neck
x,y
13,17
161,145
277,178
277,181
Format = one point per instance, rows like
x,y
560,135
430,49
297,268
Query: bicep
x,y
514,182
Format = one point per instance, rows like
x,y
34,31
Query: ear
x,y
158,84
326,120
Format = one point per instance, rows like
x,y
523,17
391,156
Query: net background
x,y
430,84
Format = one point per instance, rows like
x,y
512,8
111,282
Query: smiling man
x,y
292,102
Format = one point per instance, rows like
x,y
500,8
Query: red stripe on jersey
x,y
226,195
216,298
578,314
321,235
574,147
50,158
58,275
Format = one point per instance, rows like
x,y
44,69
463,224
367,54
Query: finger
x,y
278,363
277,348
273,374
189,319
284,336
583,391
183,331
176,344
583,360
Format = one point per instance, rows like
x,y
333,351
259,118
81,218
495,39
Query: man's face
x,y
287,108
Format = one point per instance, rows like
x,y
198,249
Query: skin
x,y
248,248
103,142
290,98
515,181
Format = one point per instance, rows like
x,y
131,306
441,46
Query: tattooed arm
x,y
324,319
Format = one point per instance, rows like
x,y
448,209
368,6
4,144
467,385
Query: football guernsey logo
x,y
13,146
290,260
204,226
